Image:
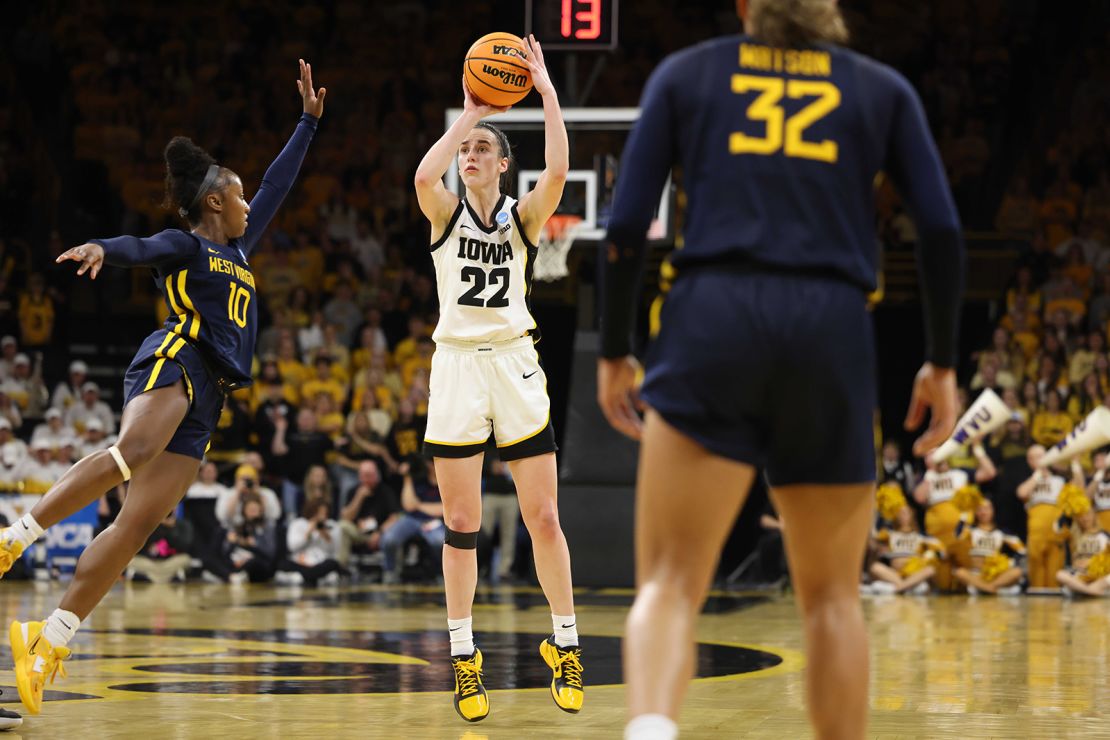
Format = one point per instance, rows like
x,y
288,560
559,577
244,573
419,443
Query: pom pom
x,y
968,498
914,564
1098,567
995,565
889,499
1073,500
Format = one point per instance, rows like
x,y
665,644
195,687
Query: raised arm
x,y
437,203
1025,490
985,471
539,205
281,174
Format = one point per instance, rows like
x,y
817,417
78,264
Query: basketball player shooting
x,y
765,358
486,376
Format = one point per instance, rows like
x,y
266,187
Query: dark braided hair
x,y
186,167
506,151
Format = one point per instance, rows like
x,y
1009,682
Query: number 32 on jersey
x,y
780,131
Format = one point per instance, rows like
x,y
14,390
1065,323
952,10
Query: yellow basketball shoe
x,y
471,701
10,550
36,661
566,667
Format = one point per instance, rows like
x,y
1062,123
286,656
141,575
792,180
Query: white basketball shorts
x,y
479,389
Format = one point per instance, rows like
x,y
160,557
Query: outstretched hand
x,y
313,100
91,257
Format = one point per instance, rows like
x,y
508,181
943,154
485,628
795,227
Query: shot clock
x,y
573,25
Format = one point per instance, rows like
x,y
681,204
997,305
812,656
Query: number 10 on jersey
x,y
237,301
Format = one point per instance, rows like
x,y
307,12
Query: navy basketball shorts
x,y
164,359
771,369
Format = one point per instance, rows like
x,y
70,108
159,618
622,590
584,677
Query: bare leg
x,y
460,486
920,576
155,490
537,489
148,424
1077,584
1008,578
678,543
825,530
885,573
968,578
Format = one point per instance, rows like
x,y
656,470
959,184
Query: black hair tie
x,y
205,186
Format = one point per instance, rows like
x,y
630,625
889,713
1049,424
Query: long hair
x,y
186,167
506,151
792,23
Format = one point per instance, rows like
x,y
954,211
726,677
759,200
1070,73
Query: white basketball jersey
x,y
484,276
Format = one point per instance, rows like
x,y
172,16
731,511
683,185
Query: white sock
x,y
462,636
60,627
25,531
651,727
566,632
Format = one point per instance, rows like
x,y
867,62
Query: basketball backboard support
x,y
591,185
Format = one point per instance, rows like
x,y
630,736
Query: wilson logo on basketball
x,y
507,77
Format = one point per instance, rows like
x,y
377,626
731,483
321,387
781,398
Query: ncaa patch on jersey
x,y
503,218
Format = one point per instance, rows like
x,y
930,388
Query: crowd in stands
x,y
316,468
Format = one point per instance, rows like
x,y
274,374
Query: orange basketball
x,y
495,71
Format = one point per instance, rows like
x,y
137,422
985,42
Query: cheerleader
x,y
906,557
937,492
1040,494
1089,573
1099,490
991,570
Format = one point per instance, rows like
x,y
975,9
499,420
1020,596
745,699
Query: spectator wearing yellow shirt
x,y
371,343
1051,424
277,277
36,314
1082,361
338,352
406,348
1006,356
329,419
1024,294
301,308
308,260
324,382
1086,399
289,364
420,360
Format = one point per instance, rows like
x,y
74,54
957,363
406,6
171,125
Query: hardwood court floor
x,y
368,661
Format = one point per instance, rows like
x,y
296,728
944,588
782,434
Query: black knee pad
x,y
461,540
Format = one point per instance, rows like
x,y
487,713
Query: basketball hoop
x,y
554,246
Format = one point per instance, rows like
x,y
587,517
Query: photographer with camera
x,y
313,541
249,550
229,509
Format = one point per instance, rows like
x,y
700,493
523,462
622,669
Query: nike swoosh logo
x,y
530,374
213,251
452,629
464,226
568,625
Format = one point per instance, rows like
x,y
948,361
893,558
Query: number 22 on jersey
x,y
780,131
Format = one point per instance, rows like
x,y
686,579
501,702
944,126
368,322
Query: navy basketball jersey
x,y
779,150
208,287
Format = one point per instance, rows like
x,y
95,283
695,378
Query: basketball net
x,y
555,242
